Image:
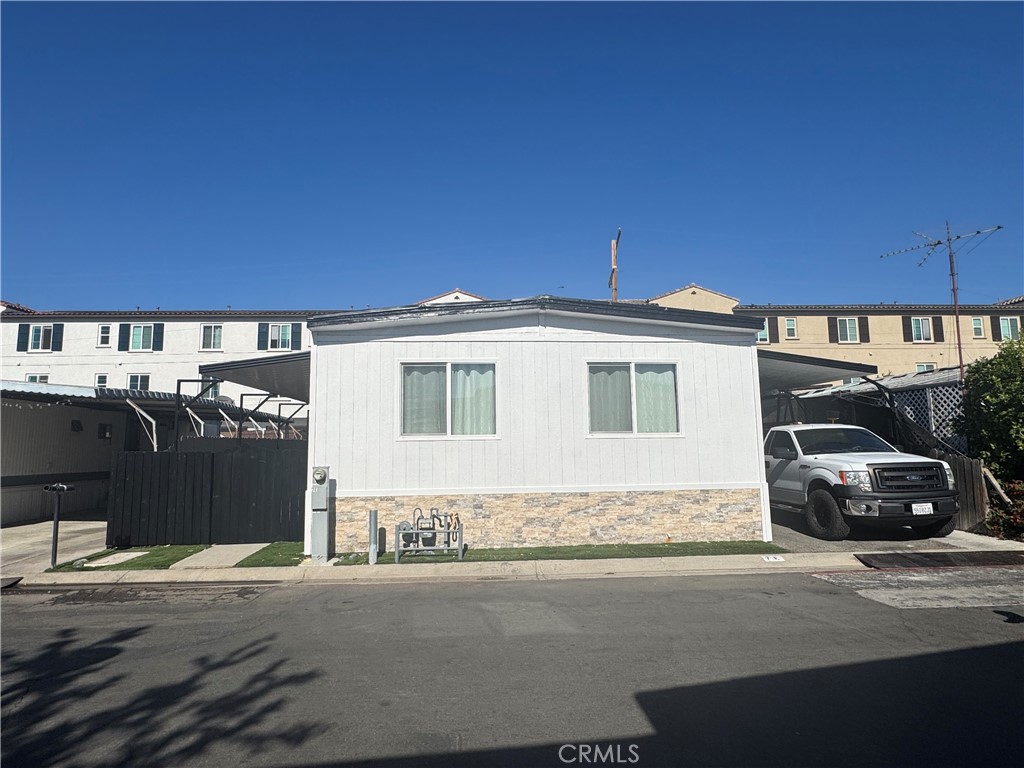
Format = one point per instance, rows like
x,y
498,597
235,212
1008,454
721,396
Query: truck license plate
x,y
921,509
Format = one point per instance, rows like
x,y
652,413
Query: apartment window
x,y
791,328
853,380
1009,327
431,407
924,367
213,391
37,378
142,338
101,380
103,337
138,381
922,328
633,398
41,338
211,337
978,327
848,330
762,335
280,336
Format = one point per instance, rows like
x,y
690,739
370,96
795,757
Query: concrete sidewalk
x,y
28,557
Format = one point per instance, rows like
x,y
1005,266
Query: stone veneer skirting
x,y
554,519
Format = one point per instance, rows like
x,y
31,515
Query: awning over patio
x,y
288,375
283,375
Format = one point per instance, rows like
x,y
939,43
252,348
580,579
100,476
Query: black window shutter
x,y
296,336
862,330
23,337
773,330
124,333
158,337
57,337
264,333
908,329
997,331
938,334
833,330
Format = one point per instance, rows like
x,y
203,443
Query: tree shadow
x,y
56,706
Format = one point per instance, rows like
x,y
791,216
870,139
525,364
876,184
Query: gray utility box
x,y
319,499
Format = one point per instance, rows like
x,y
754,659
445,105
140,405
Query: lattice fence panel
x,y
946,404
914,403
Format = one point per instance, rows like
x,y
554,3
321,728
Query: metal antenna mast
x,y
613,280
932,244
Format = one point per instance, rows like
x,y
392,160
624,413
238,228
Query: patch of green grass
x,y
280,553
585,552
156,558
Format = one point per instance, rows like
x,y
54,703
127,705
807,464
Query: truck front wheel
x,y
824,518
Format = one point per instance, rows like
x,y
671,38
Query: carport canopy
x,y
288,375
284,375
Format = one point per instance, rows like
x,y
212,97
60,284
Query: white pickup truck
x,y
838,475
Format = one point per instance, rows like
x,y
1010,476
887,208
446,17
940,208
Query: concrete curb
x,y
532,570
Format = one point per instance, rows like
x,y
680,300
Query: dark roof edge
x,y
254,362
556,303
129,314
824,362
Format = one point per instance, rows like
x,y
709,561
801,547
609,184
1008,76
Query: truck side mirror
x,y
779,452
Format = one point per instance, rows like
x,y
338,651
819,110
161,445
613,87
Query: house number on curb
x,y
774,558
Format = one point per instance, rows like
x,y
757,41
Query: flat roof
x,y
611,309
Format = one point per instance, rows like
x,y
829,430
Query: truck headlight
x,y
950,479
861,480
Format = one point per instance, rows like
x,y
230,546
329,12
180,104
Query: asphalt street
x,y
778,670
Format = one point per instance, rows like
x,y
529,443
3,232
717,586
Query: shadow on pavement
x,y
56,705
944,709
795,522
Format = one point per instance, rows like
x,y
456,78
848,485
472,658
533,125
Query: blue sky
x,y
327,155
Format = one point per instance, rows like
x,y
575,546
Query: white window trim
x,y
634,435
270,334
99,334
131,335
982,324
923,369
785,330
202,331
856,329
931,330
37,375
96,380
129,380
40,351
448,403
1008,319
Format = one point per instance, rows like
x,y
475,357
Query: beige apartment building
x,y
897,338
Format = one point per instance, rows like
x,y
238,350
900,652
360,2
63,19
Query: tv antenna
x,y
613,279
933,244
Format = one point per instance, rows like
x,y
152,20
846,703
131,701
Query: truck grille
x,y
914,477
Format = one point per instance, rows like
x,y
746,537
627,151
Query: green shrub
x,y
993,411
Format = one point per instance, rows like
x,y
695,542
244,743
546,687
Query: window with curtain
x,y
431,407
626,394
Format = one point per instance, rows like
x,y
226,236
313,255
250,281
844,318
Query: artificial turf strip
x,y
585,552
156,558
280,553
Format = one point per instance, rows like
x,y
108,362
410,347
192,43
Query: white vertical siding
x,y
543,439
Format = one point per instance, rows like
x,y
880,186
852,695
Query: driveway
x,y
25,549
790,531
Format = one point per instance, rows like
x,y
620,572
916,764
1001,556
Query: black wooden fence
x,y
244,495
971,483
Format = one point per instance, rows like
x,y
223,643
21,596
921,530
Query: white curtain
x,y
473,406
423,400
610,409
656,399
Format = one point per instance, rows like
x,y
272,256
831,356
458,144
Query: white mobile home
x,y
542,421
